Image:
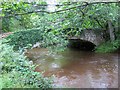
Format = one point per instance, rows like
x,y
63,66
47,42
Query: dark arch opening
x,y
79,44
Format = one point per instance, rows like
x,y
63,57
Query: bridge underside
x,y
79,44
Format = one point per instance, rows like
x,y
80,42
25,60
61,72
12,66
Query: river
x,y
77,69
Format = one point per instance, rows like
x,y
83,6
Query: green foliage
x,y
89,16
11,8
25,38
55,27
17,72
108,47
92,16
11,21
29,79
9,58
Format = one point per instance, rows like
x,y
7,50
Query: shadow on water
x,y
78,69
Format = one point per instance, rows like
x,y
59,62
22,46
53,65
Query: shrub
x,y
108,46
27,38
21,39
17,71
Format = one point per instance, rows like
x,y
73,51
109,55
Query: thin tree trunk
x,y
111,31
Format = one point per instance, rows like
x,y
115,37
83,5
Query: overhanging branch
x,y
71,3
37,11
98,22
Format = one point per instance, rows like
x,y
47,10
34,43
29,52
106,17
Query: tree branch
x,y
98,22
37,11
71,3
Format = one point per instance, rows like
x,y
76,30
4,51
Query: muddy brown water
x,y
78,69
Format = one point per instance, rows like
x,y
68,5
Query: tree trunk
x,y
111,31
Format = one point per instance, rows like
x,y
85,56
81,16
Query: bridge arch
x,y
79,44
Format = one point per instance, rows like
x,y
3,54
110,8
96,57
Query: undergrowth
x,y
108,46
16,71
27,38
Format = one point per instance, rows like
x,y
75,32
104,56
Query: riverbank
x,y
16,71
109,46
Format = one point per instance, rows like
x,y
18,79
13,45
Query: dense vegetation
x,y
27,38
31,23
18,72
68,20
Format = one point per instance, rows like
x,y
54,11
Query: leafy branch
x,y
57,11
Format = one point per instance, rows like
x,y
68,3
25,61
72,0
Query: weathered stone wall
x,y
94,36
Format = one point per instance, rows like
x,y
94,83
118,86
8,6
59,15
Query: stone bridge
x,y
87,40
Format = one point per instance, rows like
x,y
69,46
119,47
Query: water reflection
x,y
78,69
